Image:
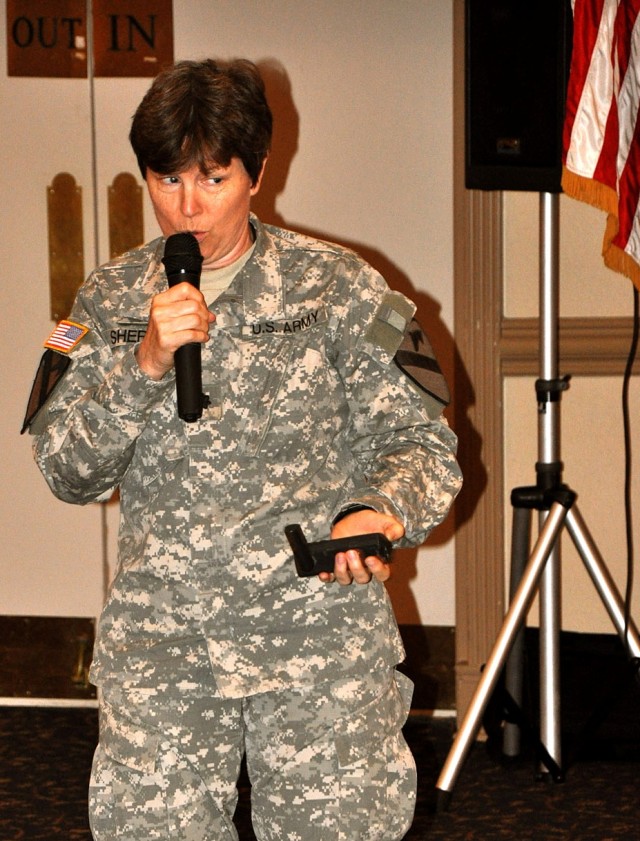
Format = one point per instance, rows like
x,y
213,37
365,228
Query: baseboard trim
x,y
66,703
46,661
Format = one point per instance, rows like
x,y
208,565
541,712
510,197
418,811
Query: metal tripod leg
x,y
514,672
561,513
512,623
603,582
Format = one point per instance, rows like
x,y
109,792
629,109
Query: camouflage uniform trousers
x,y
327,763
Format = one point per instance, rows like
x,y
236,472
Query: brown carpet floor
x,y
45,757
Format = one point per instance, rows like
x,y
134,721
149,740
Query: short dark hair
x,y
203,112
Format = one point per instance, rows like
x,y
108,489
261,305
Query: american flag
x,y
601,139
66,336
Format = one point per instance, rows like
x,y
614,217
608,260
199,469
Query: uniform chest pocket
x,y
294,390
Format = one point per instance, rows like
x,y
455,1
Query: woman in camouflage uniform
x,y
324,409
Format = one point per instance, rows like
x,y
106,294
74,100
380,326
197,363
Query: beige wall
x,y
365,91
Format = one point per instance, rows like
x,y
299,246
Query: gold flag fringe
x,y
604,198
589,191
616,258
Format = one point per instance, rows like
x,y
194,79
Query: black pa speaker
x,y
517,57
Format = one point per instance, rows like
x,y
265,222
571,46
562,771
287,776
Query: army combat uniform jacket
x,y
310,412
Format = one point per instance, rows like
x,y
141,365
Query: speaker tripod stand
x,y
540,573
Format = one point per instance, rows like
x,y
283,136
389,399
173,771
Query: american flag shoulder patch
x,y
66,336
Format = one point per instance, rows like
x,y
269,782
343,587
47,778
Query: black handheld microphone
x,y
183,262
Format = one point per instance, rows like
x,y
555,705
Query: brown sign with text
x,y
50,38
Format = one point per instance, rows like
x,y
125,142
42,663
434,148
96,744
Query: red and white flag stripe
x,y
601,141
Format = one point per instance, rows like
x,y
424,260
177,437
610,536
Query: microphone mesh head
x,y
182,254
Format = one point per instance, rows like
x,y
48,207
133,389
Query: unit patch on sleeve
x,y
415,357
66,336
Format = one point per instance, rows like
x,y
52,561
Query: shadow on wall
x,y
284,148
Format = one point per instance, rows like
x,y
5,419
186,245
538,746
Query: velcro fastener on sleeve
x,y
390,322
